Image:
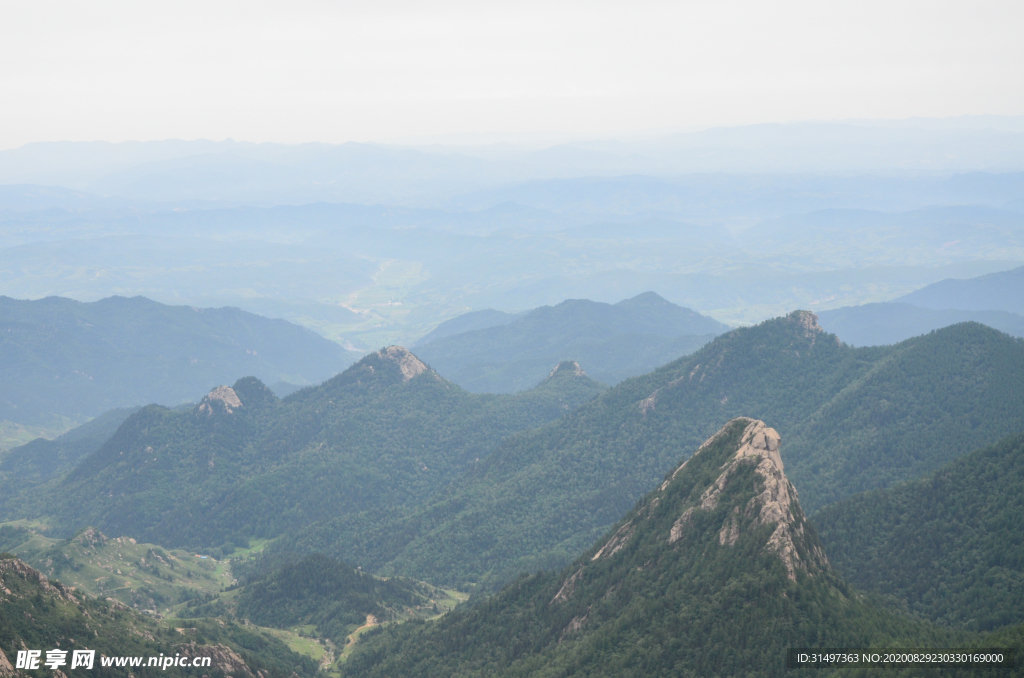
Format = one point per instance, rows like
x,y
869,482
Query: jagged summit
x,y
247,394
223,398
807,320
775,505
734,488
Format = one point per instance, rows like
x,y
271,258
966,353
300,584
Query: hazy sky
x,y
338,71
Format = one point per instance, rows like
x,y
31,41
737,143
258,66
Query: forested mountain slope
x,y
856,419
613,342
714,573
951,546
64,357
385,434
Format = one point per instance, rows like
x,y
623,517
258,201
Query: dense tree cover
x,y
851,419
331,595
950,546
611,341
65,357
373,437
638,603
41,615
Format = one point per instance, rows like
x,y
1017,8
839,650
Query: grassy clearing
x,y
302,644
147,577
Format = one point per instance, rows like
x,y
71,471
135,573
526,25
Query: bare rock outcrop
x,y
224,396
6,669
410,365
776,504
808,321
14,567
617,542
568,586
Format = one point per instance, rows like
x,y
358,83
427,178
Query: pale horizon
x,y
317,72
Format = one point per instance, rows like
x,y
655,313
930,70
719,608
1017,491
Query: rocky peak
x,y
91,537
807,320
567,367
223,397
406,361
748,497
775,504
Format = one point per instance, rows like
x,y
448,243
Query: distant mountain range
x,y
65,358
1002,291
996,300
495,352
373,173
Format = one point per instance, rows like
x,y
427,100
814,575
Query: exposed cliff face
x,y
776,503
6,669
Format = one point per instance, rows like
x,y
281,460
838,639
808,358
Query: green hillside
x,y
715,573
949,546
384,435
61,357
855,419
145,577
501,353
